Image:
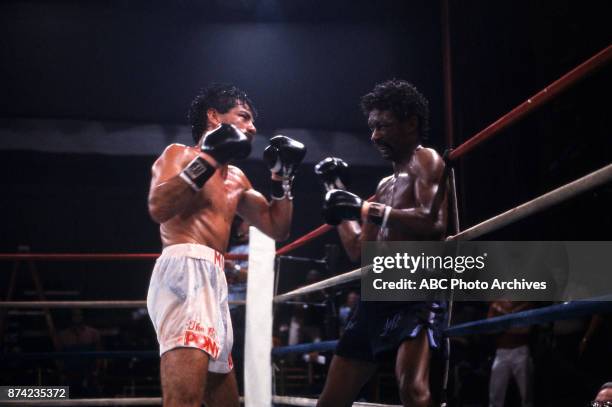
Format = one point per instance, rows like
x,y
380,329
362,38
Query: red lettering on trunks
x,y
203,342
219,260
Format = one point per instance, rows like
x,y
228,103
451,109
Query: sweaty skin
x,y
205,217
410,191
418,203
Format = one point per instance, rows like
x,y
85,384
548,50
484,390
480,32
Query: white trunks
x,y
187,303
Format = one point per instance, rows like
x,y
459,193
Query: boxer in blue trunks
x,y
408,205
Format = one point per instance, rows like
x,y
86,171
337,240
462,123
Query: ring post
x,y
258,338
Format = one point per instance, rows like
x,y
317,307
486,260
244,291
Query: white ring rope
x,y
307,402
157,401
590,181
321,285
538,204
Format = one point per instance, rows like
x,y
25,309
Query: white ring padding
x,y
84,304
302,401
258,333
538,204
329,282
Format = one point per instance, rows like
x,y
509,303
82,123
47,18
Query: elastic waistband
x,y
195,251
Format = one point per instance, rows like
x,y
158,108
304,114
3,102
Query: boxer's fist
x,y
283,156
333,172
341,205
226,143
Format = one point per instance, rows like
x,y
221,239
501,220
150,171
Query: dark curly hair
x,y
219,96
402,99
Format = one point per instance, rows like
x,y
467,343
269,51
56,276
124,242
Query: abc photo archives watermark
x,y
486,271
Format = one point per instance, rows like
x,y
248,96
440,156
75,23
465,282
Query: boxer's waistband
x,y
195,251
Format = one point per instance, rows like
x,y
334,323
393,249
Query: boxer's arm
x,y
169,194
352,234
429,215
273,218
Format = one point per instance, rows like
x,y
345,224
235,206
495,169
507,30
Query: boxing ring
x,y
262,254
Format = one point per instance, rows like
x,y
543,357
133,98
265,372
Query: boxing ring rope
x,y
538,204
557,312
544,201
545,95
157,401
308,402
118,354
519,112
590,181
85,304
96,256
321,285
567,310
554,89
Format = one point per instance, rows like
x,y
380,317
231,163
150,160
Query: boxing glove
x,y
341,205
333,172
225,143
283,156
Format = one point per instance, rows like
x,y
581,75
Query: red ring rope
x,y
96,257
569,79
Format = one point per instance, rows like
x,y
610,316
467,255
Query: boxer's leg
x,y
183,377
222,390
412,371
344,380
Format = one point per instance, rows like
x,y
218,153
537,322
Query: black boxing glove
x,y
225,143
283,156
341,205
333,172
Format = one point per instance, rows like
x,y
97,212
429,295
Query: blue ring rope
x,y
568,310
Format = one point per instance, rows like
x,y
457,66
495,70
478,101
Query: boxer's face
x,y
392,137
240,116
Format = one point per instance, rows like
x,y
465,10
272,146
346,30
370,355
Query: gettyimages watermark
x,y
485,271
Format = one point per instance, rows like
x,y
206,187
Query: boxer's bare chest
x,y
398,191
207,220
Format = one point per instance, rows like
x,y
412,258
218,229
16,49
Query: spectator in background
x,y
604,396
308,319
512,357
347,309
308,314
81,373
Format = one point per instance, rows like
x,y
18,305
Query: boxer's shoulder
x,y
177,151
428,162
177,148
384,182
383,186
237,176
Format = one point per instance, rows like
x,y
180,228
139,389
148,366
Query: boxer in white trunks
x,y
194,196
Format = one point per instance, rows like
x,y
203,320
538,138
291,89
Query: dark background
x,y
305,64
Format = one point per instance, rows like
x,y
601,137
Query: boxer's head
x,y
221,103
398,115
